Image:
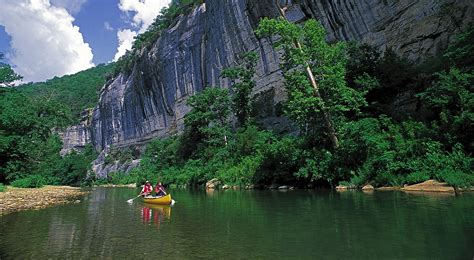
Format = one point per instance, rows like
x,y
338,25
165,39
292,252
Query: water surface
x,y
247,224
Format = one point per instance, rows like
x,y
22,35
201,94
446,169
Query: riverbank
x,y
17,199
426,186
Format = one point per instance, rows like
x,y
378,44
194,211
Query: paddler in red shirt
x,y
160,189
147,189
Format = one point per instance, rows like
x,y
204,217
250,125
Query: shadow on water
x,y
246,224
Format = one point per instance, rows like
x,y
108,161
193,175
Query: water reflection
x,y
156,214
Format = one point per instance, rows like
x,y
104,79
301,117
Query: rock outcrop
x,y
75,138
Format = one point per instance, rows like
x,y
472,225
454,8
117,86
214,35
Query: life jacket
x,y
159,188
147,188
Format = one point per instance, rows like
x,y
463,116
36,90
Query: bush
x,y
32,181
2,187
121,178
454,168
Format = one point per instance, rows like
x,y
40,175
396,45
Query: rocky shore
x,y
426,186
16,199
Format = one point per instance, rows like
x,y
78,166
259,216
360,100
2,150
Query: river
x,y
303,224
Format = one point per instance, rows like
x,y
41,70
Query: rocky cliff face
x,y
75,138
150,102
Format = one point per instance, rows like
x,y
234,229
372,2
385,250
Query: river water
x,y
299,224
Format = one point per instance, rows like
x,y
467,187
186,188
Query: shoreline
x,y
19,199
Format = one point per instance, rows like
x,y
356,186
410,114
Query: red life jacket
x,y
159,188
147,188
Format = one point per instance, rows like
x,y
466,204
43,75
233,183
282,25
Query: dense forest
x,y
349,131
31,116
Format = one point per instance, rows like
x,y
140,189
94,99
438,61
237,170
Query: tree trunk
x,y
312,79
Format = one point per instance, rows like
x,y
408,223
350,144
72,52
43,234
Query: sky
x,y
42,39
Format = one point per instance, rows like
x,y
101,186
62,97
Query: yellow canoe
x,y
164,200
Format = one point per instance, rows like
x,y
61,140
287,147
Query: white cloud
x,y
73,6
125,38
44,40
143,13
108,27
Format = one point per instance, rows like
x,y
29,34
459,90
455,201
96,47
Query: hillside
x,y
78,91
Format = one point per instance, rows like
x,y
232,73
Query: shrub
x,y
121,178
2,187
32,181
455,167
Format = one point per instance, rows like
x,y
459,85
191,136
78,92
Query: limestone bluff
x,y
150,102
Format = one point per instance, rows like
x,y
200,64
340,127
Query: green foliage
x,y
78,91
242,83
328,64
454,168
29,145
31,181
120,178
74,167
452,97
461,52
206,123
2,187
7,74
26,141
121,155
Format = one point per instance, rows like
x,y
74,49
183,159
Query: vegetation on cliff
x,y
377,144
144,40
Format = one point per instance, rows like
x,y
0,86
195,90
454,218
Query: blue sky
x,y
47,38
91,21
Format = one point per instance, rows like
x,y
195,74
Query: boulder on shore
x,y
250,187
368,187
387,188
429,186
226,187
213,184
344,187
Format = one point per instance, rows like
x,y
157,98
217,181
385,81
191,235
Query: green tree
x,y
26,139
207,120
452,96
7,74
241,84
313,60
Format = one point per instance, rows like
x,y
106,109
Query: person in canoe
x,y
160,189
147,189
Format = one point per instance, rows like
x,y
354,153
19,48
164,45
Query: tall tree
x,y
314,74
291,40
242,83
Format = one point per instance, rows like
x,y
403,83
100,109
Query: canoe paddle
x,y
131,200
